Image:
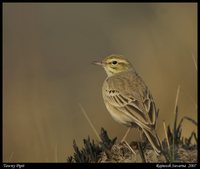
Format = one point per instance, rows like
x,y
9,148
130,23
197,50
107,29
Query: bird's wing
x,y
134,100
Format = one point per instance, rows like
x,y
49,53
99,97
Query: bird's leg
x,y
142,139
126,134
129,147
141,151
124,141
141,135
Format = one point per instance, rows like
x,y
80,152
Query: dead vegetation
x,y
175,147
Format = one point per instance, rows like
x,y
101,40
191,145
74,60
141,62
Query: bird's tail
x,y
153,139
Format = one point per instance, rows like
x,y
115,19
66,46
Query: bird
x,y
128,99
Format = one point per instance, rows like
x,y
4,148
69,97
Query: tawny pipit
x,y
128,99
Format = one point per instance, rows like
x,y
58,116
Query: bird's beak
x,y
98,63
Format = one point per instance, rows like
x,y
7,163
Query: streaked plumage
x,y
128,99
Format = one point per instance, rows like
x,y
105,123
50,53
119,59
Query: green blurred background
x,y
47,71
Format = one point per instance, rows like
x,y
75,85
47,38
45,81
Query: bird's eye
x,y
114,62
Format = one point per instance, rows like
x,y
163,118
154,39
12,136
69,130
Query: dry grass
x,y
89,121
56,153
175,148
11,156
167,139
175,119
195,63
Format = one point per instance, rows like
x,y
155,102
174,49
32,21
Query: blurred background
x,y
47,54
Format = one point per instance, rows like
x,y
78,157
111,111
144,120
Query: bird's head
x,y
114,64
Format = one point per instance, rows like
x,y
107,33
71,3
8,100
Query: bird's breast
x,y
117,115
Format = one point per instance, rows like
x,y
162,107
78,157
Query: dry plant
x,y
175,147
